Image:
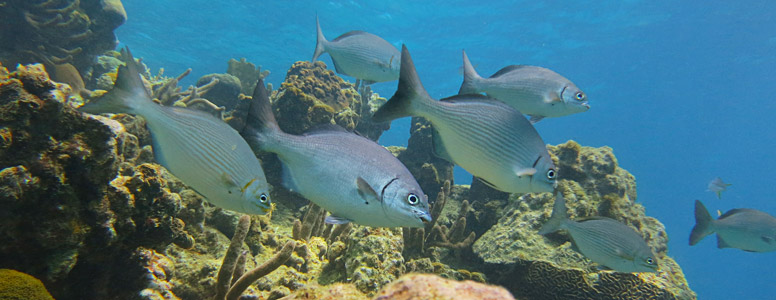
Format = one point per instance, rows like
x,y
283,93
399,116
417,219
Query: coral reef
x,y
247,73
423,286
85,205
603,189
312,95
66,35
15,285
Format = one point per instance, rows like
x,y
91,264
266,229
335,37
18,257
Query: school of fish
x,y
357,180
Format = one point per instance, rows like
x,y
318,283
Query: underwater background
x,y
681,91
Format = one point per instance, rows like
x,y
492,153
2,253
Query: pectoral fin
x,y
525,172
366,191
768,239
228,180
552,97
332,219
623,255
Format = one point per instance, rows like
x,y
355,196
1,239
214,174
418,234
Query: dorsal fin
x,y
467,97
736,211
349,34
507,69
324,128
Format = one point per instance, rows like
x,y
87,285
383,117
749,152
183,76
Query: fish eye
x,y
580,96
263,198
551,174
412,199
650,261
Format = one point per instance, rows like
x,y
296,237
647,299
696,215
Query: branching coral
x,y
232,280
454,237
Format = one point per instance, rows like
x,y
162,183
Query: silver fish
x,y
203,151
352,177
484,136
603,240
718,186
535,91
361,55
746,229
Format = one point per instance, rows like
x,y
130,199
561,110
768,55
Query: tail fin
x,y
559,215
410,90
260,117
128,93
469,77
703,224
319,42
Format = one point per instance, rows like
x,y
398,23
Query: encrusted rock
x,y
424,286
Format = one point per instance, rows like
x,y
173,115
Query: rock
x,y
433,287
225,93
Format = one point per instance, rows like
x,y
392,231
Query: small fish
x,y
746,229
603,240
718,186
535,91
482,135
352,177
361,55
202,151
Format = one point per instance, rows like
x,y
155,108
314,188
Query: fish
x,y
202,151
352,177
718,186
360,54
605,241
536,91
743,228
486,137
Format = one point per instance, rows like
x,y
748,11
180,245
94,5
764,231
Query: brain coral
x,y
15,285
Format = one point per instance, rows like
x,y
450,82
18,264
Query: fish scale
x,y
605,241
329,167
360,54
485,137
202,151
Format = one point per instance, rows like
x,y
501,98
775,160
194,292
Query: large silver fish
x,y
535,91
746,229
718,186
361,55
203,151
603,240
484,136
352,177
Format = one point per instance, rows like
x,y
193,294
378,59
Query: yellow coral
x,y
15,285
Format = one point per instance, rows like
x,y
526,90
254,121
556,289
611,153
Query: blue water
x,y
682,90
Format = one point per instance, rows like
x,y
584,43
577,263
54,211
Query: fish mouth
x,y
586,106
425,217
